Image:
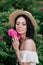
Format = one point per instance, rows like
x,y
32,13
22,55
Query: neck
x,y
23,37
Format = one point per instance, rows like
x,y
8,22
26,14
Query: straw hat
x,y
18,12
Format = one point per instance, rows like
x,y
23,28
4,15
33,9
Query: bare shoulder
x,y
30,45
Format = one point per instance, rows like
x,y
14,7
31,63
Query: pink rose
x,y
13,33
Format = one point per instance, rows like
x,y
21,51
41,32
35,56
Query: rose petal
x,y
12,33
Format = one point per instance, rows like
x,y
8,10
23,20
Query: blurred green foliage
x,y
7,54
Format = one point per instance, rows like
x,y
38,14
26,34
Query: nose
x,y
20,25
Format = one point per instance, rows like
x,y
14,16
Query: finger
x,y
13,39
13,45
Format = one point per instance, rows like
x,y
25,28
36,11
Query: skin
x,y
21,28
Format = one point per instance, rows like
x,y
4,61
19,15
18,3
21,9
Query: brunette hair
x,y
30,27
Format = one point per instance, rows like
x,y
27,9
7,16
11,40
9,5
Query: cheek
x,y
16,27
25,29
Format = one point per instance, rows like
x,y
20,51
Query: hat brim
x,y
18,12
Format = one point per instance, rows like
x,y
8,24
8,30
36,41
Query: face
x,y
21,26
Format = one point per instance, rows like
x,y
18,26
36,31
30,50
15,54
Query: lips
x,y
20,29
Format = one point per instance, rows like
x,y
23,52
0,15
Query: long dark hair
x,y
30,27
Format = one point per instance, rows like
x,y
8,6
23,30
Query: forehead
x,y
21,19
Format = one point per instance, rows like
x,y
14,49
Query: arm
x,y
19,57
15,45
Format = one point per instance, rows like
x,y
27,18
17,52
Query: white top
x,y
29,56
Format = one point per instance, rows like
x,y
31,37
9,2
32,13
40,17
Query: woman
x,y
24,23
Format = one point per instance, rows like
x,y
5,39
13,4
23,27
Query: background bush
x,y
7,54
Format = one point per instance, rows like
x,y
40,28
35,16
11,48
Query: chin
x,y
21,32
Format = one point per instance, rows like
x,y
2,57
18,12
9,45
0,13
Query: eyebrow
x,y
18,22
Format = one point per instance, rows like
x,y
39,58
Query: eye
x,y
24,24
17,23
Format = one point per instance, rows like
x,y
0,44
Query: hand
x,y
15,43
